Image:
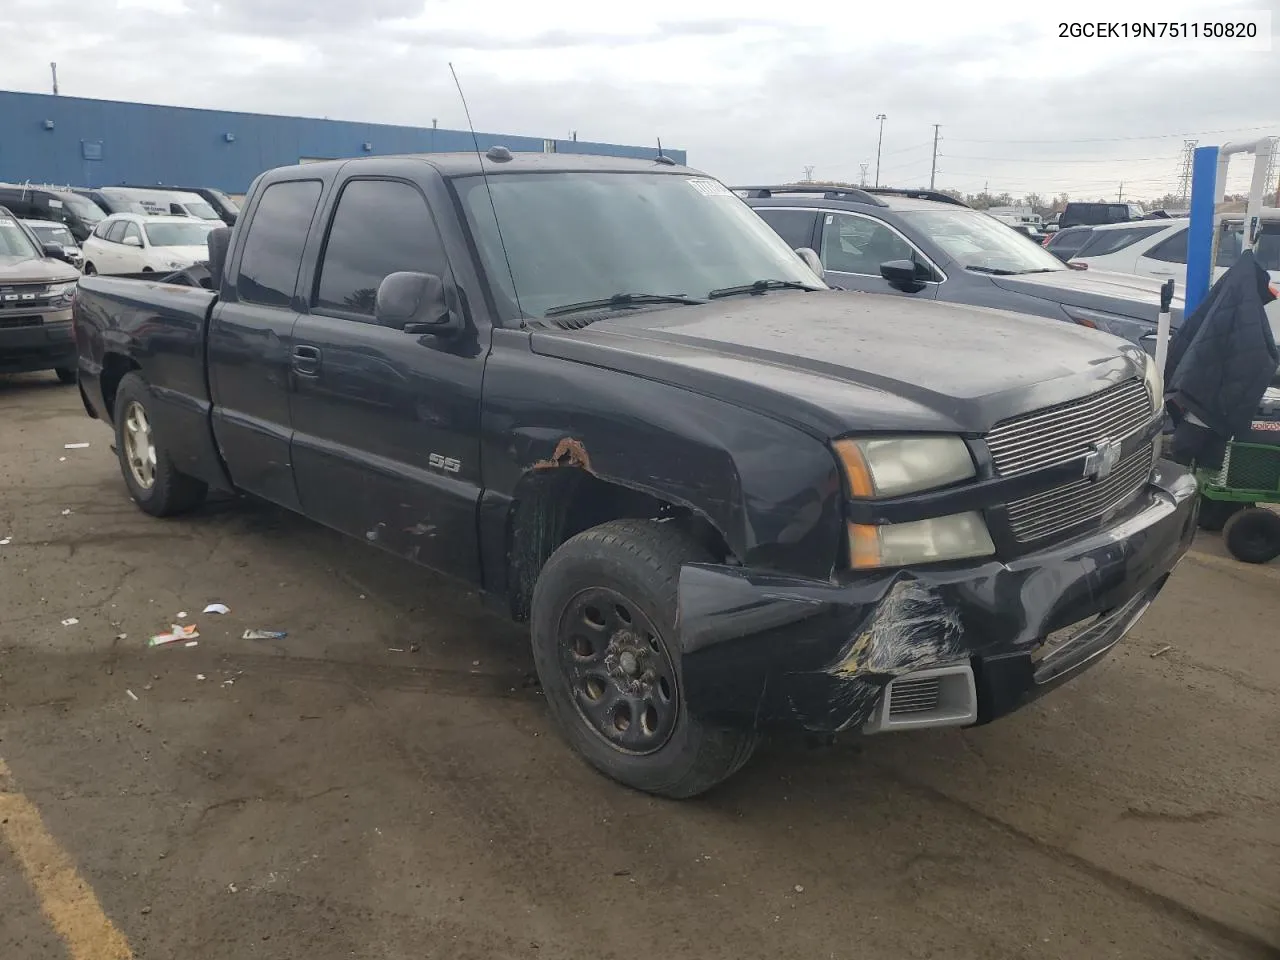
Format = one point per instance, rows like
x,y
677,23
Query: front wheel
x,y
89,269
1253,535
155,485
605,647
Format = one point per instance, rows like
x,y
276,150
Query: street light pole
x,y
881,117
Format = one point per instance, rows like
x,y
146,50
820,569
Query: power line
x,y
914,146
1061,161
1271,125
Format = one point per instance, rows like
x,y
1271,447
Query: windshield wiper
x,y
621,300
760,286
994,271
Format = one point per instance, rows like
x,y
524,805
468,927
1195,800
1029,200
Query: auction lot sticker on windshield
x,y
6,223
709,188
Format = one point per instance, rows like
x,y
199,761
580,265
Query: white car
x,y
1158,248
138,243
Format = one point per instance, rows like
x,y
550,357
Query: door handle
x,y
306,360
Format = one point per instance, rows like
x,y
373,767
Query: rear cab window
x,y
272,255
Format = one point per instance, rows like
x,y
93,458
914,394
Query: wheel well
x,y
558,504
114,368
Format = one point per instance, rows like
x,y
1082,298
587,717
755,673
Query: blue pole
x,y
1204,177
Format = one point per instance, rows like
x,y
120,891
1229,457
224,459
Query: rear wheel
x,y
1214,514
1253,535
605,647
155,485
66,374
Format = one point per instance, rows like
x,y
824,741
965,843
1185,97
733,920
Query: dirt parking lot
x,y
385,783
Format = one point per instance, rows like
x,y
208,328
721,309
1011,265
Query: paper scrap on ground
x,y
217,608
132,695
264,635
4,542
74,446
66,513
199,676
70,622
182,614
177,631
192,643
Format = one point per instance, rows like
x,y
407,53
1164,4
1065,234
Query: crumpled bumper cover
x,y
760,650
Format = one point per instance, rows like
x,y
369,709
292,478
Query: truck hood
x,y
35,270
834,362
1124,294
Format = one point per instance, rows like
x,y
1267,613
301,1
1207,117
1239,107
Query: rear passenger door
x,y
854,246
249,342
386,441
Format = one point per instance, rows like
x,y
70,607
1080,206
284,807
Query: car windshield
x,y
192,234
977,241
226,202
52,233
198,208
85,209
572,238
14,241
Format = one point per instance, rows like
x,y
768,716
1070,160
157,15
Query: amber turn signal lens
x,y
864,546
857,473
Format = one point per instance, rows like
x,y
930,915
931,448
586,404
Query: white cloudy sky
x,y
755,91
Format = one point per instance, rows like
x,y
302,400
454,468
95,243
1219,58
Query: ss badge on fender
x,y
447,464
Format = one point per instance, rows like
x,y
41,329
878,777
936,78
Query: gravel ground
x,y
385,783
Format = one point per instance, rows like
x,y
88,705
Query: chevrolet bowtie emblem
x,y
1101,459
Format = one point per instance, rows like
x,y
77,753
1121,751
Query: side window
x,y
273,248
1117,213
1172,250
1068,243
1103,242
379,227
1268,249
132,230
793,226
852,244
116,233
100,231
1230,243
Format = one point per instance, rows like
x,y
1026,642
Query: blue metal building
x,y
93,143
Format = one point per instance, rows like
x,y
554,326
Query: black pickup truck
x,y
728,499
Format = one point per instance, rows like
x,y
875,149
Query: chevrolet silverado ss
x,y
728,499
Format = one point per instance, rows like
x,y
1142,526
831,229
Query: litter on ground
x,y
217,608
67,512
264,635
177,631
199,676
70,622
4,542
132,695
74,446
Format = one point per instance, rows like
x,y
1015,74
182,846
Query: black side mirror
x,y
219,242
417,303
905,275
55,251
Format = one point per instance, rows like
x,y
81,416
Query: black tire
x,y
66,375
1214,514
89,268
1253,535
638,561
171,491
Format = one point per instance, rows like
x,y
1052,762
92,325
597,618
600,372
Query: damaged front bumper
x,y
952,644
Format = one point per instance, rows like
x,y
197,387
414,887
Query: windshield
x,y
226,202
578,237
198,208
14,241
85,209
973,239
192,234
52,233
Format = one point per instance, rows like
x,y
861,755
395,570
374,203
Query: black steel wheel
x,y
623,681
1253,535
605,645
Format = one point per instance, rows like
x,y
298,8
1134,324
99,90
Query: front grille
x,y
1071,504
24,296
915,696
9,323
1064,432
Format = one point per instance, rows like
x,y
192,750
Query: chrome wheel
x,y
623,681
139,446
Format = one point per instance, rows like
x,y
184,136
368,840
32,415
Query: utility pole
x,y
53,69
808,173
1184,171
1120,195
862,173
879,143
933,171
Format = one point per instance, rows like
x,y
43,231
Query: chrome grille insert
x,y
1074,503
1061,433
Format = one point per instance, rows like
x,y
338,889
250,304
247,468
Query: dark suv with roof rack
x,y
929,246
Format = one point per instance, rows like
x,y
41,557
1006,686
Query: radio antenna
x,y
489,190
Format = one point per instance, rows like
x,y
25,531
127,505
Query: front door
x,y
854,246
249,355
386,423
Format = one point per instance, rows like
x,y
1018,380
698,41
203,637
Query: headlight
x,y
1154,377
62,292
1130,328
894,466
955,537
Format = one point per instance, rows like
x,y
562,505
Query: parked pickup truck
x,y
727,499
